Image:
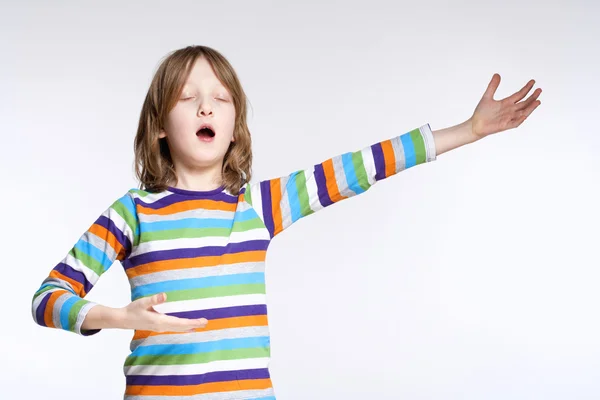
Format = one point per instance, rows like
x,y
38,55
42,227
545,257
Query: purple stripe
x,y
178,198
379,161
39,312
226,312
78,276
210,377
231,248
267,206
109,224
322,186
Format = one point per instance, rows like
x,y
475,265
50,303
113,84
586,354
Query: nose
x,y
205,108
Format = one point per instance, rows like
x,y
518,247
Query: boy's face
x,y
203,100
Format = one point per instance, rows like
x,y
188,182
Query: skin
x,y
203,99
490,117
199,164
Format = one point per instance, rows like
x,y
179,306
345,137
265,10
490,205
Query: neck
x,y
198,179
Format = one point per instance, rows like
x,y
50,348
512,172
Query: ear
x,y
162,134
233,139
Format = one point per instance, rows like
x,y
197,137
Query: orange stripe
x,y
109,238
76,285
332,186
190,390
213,325
196,262
388,157
50,308
187,205
276,205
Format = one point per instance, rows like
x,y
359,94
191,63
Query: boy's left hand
x,y
492,116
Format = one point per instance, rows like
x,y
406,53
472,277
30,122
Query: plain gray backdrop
x,y
474,277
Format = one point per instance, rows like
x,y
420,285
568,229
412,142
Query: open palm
x,y
492,116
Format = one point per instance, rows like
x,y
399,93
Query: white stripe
x,y
429,140
210,303
119,223
256,196
195,213
150,197
186,243
369,164
77,265
192,369
313,190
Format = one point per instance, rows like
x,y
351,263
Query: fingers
x,y
525,104
522,115
492,86
521,93
155,299
183,324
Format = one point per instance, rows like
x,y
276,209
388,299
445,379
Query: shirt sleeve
x,y
284,200
59,302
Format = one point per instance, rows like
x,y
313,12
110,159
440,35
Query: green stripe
x,y
359,170
248,194
241,226
199,358
218,291
43,290
419,145
131,220
300,180
141,193
73,313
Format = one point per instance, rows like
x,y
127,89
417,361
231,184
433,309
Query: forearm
x,y
102,317
453,137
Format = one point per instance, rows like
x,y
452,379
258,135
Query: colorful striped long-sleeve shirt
x,y
207,250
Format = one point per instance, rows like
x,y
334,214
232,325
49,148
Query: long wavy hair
x,y
153,163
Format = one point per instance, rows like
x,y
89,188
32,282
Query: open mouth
x,y
205,133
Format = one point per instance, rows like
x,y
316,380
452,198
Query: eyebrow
x,y
219,86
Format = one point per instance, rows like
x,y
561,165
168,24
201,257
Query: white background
x,y
474,277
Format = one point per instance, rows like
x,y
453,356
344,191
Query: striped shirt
x,y
207,250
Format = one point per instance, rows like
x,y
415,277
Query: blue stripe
x,y
94,252
201,347
198,283
409,150
128,202
263,398
64,312
350,173
54,285
294,200
198,222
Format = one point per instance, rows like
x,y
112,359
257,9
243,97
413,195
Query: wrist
x,y
118,318
470,135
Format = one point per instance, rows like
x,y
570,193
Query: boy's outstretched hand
x,y
490,116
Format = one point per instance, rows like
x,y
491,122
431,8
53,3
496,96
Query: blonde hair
x,y
153,163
